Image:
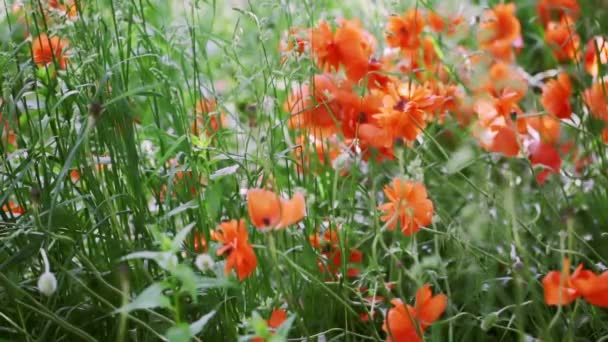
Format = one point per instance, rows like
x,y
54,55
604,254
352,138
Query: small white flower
x,y
204,262
47,283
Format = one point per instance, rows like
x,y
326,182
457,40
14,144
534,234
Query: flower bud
x,y
47,283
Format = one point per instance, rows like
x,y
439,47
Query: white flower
x,y
204,262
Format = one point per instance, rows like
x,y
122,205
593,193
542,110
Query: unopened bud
x,y
47,283
489,321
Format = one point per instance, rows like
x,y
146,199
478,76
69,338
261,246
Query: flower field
x,y
281,170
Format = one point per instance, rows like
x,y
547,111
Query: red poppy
x,y
200,243
549,10
408,206
240,255
404,31
596,54
499,31
596,99
329,243
563,40
277,317
47,50
268,211
545,155
13,208
556,96
562,289
207,117
405,110
404,322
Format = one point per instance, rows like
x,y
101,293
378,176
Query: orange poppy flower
x,y
592,287
405,108
240,255
331,254
293,40
408,206
315,106
499,30
558,287
605,135
200,243
74,175
556,96
563,40
49,50
277,317
495,131
441,24
268,211
596,53
67,6
349,45
404,31
545,155
596,100
13,208
403,322
206,109
562,289
548,127
549,10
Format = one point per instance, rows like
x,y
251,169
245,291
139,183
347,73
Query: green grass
x,y
135,73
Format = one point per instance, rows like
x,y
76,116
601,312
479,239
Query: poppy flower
x,y
13,208
408,206
47,50
350,45
547,127
545,155
596,100
596,54
277,317
239,252
561,288
556,96
592,287
294,39
200,243
316,106
207,117
67,6
605,135
312,152
403,322
405,109
404,31
442,24
267,210
499,30
331,252
495,131
563,40
549,10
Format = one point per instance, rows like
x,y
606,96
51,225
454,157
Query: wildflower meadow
x,y
315,170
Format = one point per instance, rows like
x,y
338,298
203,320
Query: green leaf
x,y
179,238
197,327
151,297
179,333
224,172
